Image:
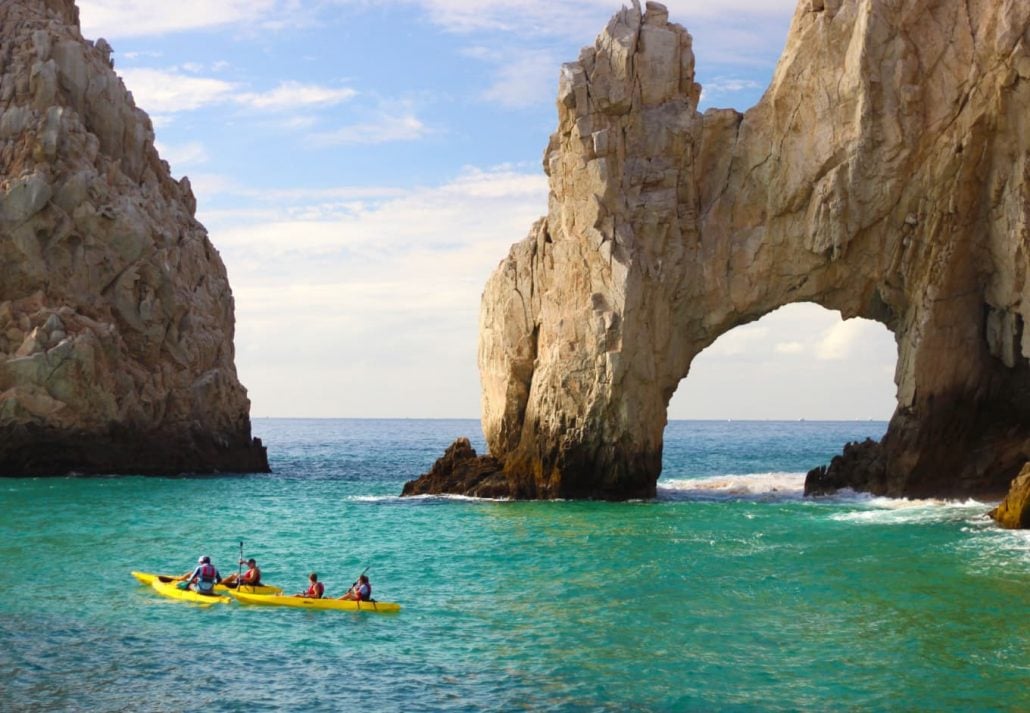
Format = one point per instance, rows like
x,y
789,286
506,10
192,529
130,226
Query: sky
x,y
363,166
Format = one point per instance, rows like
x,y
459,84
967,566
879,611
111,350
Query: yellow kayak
x,y
147,578
169,589
281,600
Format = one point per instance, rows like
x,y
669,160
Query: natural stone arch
x,y
883,174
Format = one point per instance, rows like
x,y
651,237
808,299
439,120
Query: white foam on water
x,y
879,510
420,498
758,487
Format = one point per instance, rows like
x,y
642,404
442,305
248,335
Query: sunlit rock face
x,y
1014,511
116,317
883,174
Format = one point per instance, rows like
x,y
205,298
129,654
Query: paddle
x,y
239,573
355,583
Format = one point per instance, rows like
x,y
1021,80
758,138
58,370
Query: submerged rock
x,y
1014,511
883,174
116,316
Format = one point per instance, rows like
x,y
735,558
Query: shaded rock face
x,y
1014,511
116,317
462,470
883,174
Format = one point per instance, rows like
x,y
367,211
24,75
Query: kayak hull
x,y
280,600
146,578
171,591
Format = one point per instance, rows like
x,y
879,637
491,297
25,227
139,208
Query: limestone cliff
x,y
116,317
884,174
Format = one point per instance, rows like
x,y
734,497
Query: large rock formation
x,y
116,317
884,174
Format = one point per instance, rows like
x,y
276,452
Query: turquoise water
x,y
728,592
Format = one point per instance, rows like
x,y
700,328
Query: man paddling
x,y
360,592
250,578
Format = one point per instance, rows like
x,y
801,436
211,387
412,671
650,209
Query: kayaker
x,y
361,591
315,590
252,577
204,577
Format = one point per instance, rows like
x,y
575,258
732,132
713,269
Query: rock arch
x,y
883,174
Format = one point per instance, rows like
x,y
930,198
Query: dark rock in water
x,y
1014,511
860,467
460,471
32,450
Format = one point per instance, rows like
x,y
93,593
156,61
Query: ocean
x,y
728,592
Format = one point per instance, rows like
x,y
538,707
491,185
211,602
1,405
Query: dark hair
x,y
252,561
313,577
363,578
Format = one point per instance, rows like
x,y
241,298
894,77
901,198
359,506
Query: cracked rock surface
x,y
884,174
116,317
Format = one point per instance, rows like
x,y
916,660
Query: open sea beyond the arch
x,y
729,591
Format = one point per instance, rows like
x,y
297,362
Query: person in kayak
x,y
252,577
315,590
361,591
204,577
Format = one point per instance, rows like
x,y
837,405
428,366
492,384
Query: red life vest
x,y
207,573
316,590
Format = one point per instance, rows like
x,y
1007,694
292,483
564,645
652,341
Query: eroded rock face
x,y
1014,511
116,317
883,174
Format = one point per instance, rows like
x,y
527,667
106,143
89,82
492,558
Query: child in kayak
x,y
315,590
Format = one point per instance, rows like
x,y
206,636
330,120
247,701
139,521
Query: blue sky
x,y
363,166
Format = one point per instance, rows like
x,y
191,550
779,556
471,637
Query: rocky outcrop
x,y
1014,511
116,317
461,469
884,174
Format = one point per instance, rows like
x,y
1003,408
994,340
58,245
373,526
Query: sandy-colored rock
x,y
116,317
885,173
1014,511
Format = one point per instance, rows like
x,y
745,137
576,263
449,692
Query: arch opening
x,y
770,400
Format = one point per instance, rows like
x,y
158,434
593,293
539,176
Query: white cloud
x,y
180,156
730,85
383,129
525,79
170,92
132,18
789,348
291,95
369,293
579,18
840,340
742,340
803,363
160,91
